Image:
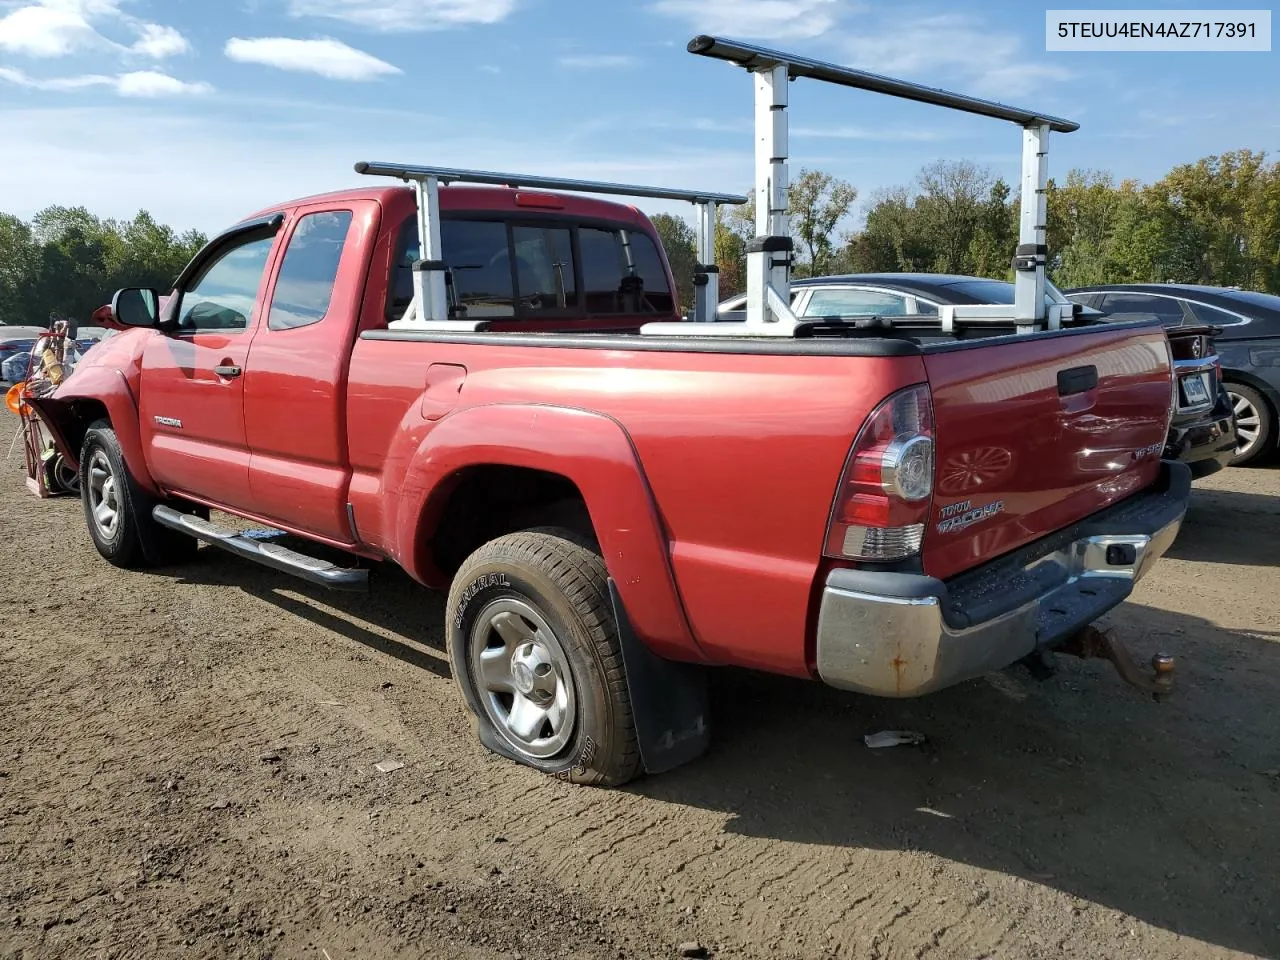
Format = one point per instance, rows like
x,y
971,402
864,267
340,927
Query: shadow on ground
x,y
1226,526
1167,812
407,620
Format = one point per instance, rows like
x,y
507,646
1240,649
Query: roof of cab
x,y
478,198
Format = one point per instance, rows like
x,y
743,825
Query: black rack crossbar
x,y
753,57
452,175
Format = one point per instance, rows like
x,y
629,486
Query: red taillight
x,y
548,201
887,489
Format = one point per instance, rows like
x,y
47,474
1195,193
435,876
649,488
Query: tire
x,y
1254,418
117,510
535,652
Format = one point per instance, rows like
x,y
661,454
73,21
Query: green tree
x,y
818,202
67,262
680,241
951,205
19,269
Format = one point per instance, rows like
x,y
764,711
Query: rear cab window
x,y
515,268
305,280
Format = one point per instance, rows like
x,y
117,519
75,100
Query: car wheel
x,y
1254,424
117,510
535,652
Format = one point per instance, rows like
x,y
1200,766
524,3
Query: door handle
x,y
227,370
1077,380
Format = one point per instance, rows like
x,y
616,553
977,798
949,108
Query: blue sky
x,y
204,110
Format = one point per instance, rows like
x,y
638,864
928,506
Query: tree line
x,y
65,262
1215,221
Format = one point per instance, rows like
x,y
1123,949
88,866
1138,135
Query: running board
x,y
268,554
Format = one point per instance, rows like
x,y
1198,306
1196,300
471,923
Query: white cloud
x,y
150,83
396,15
159,42
878,134
990,61
771,19
325,56
46,31
598,61
139,83
59,28
249,159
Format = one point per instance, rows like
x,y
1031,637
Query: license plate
x,y
1193,390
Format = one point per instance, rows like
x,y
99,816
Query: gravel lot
x,y
187,770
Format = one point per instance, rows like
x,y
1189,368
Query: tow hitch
x,y
1092,642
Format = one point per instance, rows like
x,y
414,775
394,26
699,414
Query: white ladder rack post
x,y
429,294
706,274
430,306
1032,255
768,274
769,254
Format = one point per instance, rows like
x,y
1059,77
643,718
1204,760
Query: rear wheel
x,y
535,652
117,510
1255,426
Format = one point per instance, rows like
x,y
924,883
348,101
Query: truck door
x,y
191,392
295,383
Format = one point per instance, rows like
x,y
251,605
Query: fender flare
x,y
591,450
109,387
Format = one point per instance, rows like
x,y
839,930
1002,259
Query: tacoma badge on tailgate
x,y
959,516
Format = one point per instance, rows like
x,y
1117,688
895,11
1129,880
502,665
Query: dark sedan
x,y
1202,432
1248,345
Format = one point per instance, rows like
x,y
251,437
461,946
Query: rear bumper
x,y
904,635
1206,443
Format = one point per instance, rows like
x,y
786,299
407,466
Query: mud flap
x,y
669,700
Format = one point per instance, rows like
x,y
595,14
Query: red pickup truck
x,y
613,505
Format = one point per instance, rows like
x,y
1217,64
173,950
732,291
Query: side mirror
x,y
136,307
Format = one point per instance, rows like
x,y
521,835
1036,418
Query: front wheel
x,y
535,652
117,510
1255,428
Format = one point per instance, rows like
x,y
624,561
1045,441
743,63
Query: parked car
x,y
16,359
1202,432
16,341
1248,345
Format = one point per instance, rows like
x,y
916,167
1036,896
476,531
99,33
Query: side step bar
x,y
268,554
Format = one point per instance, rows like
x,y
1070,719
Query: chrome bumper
x,y
904,635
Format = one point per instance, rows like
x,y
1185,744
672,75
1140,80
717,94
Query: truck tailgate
x,y
1035,433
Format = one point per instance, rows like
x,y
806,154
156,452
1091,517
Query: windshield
x,y
1001,291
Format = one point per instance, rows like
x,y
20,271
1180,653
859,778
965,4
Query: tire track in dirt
x,y
1057,807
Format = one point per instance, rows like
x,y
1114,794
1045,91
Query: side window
x,y
925,309
655,294
1219,318
604,264
1131,306
544,268
479,262
855,303
304,285
223,298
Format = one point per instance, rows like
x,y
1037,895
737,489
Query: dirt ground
x,y
187,770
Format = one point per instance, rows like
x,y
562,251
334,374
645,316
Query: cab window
x,y
304,284
527,269
224,296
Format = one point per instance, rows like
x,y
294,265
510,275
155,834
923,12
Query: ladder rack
x,y
430,301
769,254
